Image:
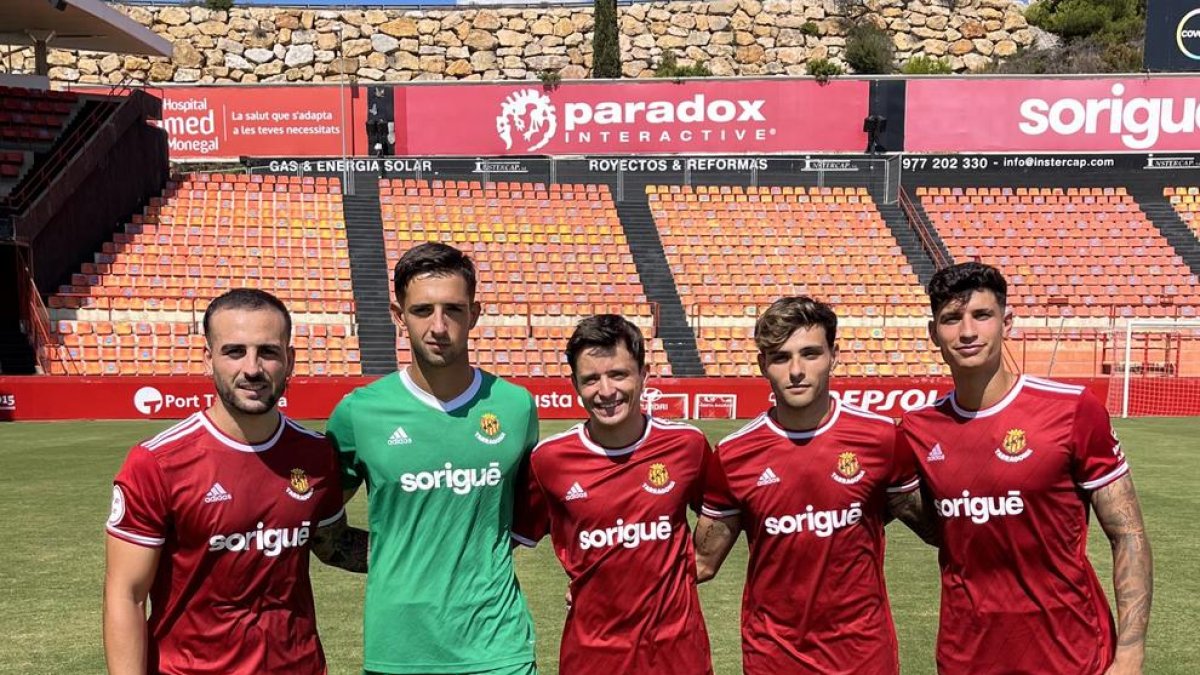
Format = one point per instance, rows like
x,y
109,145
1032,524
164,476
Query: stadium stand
x,y
1083,253
1186,201
1078,259
547,256
34,117
137,308
735,249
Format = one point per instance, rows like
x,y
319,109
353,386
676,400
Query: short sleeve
x,y
1097,458
531,512
696,498
719,501
140,509
331,508
532,432
904,465
340,432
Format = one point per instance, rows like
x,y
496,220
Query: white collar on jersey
x,y
436,403
238,445
614,452
995,408
801,435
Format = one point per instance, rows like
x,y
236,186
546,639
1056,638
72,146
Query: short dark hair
x,y
433,258
958,282
788,314
246,298
606,331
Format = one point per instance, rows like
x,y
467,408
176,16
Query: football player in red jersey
x,y
812,482
1014,464
212,518
613,493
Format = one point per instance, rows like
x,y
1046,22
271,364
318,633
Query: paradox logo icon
x,y
530,114
148,400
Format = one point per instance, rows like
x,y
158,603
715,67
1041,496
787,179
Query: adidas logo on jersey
x,y
216,493
576,492
936,454
768,477
399,437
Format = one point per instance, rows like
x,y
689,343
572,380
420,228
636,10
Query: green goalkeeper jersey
x,y
442,596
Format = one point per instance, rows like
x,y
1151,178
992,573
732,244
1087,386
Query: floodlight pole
x,y
347,183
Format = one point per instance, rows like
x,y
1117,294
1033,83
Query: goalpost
x,y
1155,369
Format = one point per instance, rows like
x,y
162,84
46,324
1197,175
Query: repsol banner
x,y
132,398
1131,114
727,116
1172,35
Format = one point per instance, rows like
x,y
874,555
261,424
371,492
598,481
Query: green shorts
x,y
519,669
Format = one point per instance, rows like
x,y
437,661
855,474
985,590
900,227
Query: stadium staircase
x,y
1164,216
651,261
16,355
369,274
922,264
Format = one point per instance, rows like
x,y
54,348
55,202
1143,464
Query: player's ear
x,y
1008,320
762,364
208,367
476,312
397,313
933,336
834,353
291,354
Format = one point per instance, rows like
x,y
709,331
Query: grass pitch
x,y
55,489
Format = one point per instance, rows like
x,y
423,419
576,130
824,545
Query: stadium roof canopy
x,y
90,25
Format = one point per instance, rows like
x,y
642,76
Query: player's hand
x,y
1125,663
569,599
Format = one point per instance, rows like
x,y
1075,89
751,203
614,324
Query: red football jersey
x,y
1010,488
618,522
232,593
812,506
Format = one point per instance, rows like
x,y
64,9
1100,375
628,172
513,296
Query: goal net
x,y
1155,369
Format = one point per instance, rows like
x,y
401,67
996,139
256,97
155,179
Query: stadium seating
x,y
137,306
1186,201
546,256
733,250
1078,253
33,117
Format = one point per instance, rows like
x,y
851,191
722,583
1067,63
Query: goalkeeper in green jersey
x,y
439,446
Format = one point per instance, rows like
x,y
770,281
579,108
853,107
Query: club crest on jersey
x,y
298,486
849,471
489,430
1013,448
658,482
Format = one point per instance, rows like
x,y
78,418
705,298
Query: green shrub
x,y
810,29
869,49
823,69
219,5
926,65
668,66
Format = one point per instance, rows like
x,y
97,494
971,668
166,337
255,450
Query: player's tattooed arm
x,y
339,545
1120,515
909,508
714,538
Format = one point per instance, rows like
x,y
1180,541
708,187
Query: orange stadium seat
x,y
547,255
206,234
735,249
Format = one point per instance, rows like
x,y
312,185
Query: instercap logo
x,y
148,400
531,114
1186,35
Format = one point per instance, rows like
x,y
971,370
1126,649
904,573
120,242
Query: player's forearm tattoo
x,y
340,545
909,508
1120,515
713,541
